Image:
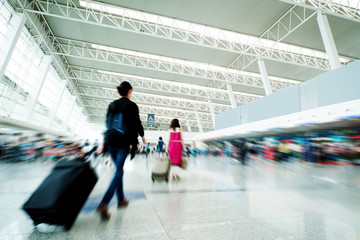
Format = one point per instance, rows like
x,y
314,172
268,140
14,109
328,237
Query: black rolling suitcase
x,y
60,197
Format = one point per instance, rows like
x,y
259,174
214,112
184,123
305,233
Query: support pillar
x,y
12,36
199,122
79,124
57,104
328,40
212,112
264,77
231,96
85,129
188,125
44,69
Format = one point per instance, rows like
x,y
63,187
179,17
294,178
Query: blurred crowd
x,y
191,149
334,149
20,147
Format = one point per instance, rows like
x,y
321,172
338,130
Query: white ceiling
x,y
252,17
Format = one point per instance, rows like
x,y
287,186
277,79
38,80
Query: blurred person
x,y
284,151
2,147
147,149
58,140
160,147
175,148
96,143
308,151
40,144
188,150
86,143
123,127
297,149
93,148
251,149
22,148
243,151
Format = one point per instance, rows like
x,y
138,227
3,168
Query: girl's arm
x,y
167,149
182,140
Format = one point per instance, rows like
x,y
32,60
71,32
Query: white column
x,y
44,69
86,131
231,96
212,111
264,77
199,122
188,125
82,131
80,122
12,36
328,40
71,107
57,104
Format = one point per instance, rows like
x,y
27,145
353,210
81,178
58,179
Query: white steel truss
x,y
288,23
43,35
104,17
88,75
163,120
155,100
283,27
158,111
88,51
349,9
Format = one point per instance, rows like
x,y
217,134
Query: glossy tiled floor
x,y
215,199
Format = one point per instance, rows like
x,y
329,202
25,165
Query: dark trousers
x,y
118,155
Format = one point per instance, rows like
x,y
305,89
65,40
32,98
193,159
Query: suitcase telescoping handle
x,y
94,159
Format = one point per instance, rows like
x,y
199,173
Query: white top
x,y
176,130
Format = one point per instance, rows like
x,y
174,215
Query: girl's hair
x,y
174,123
124,88
160,138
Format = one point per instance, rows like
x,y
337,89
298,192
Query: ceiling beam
x,y
72,11
141,98
93,52
95,118
278,31
110,79
158,111
349,9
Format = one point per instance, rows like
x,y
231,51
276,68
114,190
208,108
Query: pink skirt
x,y
175,153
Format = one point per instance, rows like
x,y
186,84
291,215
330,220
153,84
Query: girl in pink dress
x,y
175,148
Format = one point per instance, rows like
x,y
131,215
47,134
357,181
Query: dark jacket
x,y
131,117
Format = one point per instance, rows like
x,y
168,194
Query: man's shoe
x,y
104,211
123,203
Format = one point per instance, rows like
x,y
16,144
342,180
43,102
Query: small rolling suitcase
x,y
60,197
161,170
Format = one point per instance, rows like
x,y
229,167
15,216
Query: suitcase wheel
x,y
36,223
68,226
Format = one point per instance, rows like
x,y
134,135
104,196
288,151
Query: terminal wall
x,y
329,88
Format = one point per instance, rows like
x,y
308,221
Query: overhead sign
x,y
151,120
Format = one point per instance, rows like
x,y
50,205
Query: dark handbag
x,y
184,164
